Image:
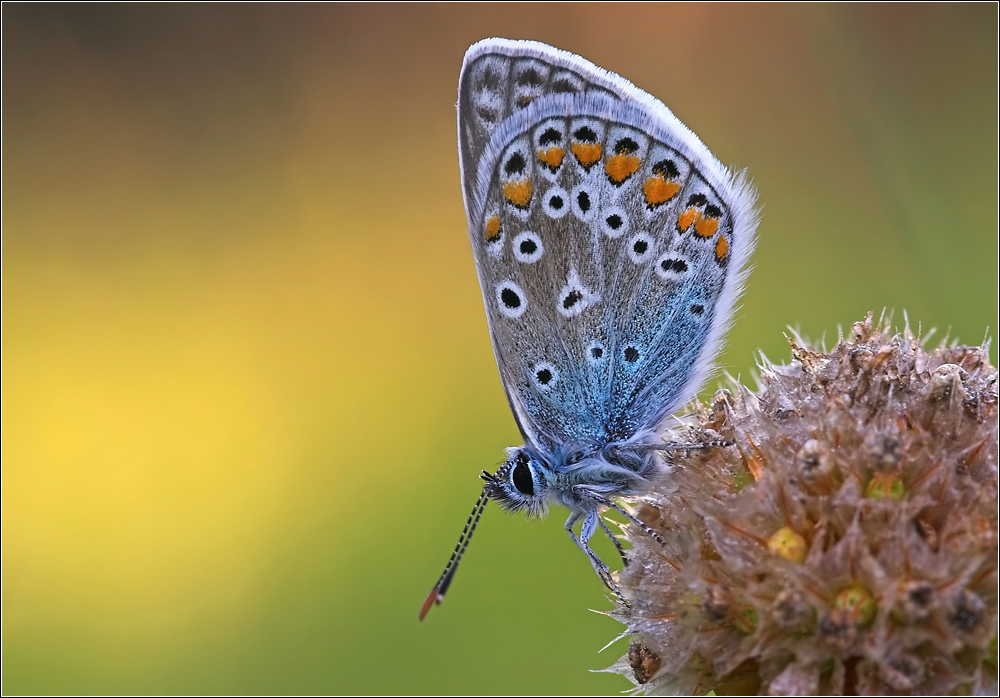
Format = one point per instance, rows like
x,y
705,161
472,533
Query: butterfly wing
x,y
610,244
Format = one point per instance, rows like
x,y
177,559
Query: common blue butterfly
x,y
611,247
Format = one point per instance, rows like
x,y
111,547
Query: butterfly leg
x,y
611,504
614,539
590,523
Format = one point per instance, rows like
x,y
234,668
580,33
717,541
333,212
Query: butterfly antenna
x,y
642,448
437,593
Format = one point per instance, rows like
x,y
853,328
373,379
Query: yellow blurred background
x,y
247,383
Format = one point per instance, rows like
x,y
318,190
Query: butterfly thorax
x,y
530,480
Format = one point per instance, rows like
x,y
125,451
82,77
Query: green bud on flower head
x,y
885,486
789,544
856,605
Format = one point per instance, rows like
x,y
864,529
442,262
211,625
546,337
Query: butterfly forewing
x,y
500,77
609,243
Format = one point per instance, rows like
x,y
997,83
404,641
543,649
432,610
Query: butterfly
x,y
611,247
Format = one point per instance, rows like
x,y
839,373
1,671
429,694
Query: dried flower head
x,y
847,541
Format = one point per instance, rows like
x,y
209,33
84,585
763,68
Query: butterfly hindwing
x,y
610,244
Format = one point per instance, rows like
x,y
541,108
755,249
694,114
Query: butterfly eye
x,y
521,477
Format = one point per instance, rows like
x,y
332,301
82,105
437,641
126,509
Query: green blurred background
x,y
247,383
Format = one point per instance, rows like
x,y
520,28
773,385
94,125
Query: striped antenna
x,y
641,448
437,593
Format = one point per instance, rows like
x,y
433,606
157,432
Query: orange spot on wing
x,y
493,229
621,167
706,227
659,190
518,193
552,157
586,153
721,248
686,218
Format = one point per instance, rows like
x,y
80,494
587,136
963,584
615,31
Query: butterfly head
x,y
519,484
